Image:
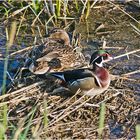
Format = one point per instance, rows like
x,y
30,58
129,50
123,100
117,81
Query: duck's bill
x,y
108,59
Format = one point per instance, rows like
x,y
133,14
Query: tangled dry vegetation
x,y
60,115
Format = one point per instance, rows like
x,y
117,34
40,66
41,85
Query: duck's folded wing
x,y
72,75
83,79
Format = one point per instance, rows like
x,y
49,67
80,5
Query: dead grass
x,y
72,117
76,116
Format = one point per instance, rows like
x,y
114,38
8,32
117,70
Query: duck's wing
x,y
84,79
72,75
85,84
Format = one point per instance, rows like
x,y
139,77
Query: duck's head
x,y
99,57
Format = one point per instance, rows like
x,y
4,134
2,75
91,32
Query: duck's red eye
x,y
105,56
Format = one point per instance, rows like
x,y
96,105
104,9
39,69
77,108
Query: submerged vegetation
x,y
26,110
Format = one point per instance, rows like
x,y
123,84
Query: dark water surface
x,y
13,63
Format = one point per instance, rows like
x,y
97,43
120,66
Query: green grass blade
x,y
4,108
36,5
2,131
101,119
76,5
138,132
88,9
24,136
9,44
45,114
5,120
58,7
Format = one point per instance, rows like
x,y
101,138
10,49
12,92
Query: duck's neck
x,y
102,74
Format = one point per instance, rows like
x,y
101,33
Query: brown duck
x,y
56,56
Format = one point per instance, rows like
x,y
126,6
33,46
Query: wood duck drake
x,y
95,79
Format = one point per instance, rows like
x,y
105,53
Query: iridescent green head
x,y
99,57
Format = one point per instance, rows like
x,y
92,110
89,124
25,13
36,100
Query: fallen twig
x,y
123,11
130,73
122,55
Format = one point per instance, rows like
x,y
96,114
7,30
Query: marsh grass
x,y
45,114
58,7
88,9
31,126
4,108
29,122
137,132
36,5
101,119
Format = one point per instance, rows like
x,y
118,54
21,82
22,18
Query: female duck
x,y
54,56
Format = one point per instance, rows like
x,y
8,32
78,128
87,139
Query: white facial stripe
x,y
99,64
95,59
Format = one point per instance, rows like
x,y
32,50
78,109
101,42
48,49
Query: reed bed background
x,y
28,112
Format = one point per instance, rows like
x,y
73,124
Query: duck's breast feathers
x,y
103,76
